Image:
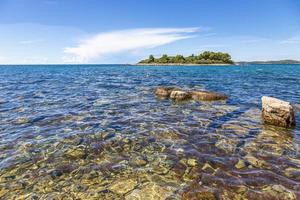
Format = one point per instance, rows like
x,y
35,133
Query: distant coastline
x,y
271,62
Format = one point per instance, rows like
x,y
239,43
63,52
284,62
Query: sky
x,y
126,31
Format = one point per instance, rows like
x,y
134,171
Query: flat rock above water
x,y
181,95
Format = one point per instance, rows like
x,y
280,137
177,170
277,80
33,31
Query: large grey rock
x,y
277,112
207,96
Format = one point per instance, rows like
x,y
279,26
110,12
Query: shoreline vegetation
x,y
205,58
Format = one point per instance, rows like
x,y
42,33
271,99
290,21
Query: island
x,y
205,58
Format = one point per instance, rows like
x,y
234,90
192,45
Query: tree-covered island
x,y
207,57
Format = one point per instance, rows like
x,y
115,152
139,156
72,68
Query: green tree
x,y
151,59
164,59
179,59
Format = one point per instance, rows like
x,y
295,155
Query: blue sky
x,y
124,31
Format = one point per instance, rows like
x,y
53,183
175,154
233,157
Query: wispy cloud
x,y
125,41
292,40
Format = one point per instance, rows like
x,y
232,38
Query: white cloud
x,y
292,40
125,41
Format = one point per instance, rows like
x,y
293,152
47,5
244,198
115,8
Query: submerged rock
x,y
255,161
22,120
163,91
279,192
207,96
191,162
196,194
150,191
123,186
240,164
179,95
277,112
138,161
292,172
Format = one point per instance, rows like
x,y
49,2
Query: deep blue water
x,y
40,106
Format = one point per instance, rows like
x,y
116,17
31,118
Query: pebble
x,y
191,162
240,164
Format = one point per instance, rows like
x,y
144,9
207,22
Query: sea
x,y
99,132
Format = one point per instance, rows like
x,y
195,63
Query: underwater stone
x,y
192,162
197,193
56,173
150,191
240,164
123,186
76,152
208,168
279,192
207,96
292,172
107,136
227,145
3,192
138,161
277,112
22,120
254,161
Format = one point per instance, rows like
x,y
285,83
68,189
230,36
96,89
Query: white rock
x,y
277,112
180,95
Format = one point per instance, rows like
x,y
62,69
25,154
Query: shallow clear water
x,y
98,132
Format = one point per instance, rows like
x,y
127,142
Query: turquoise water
x,y
98,132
